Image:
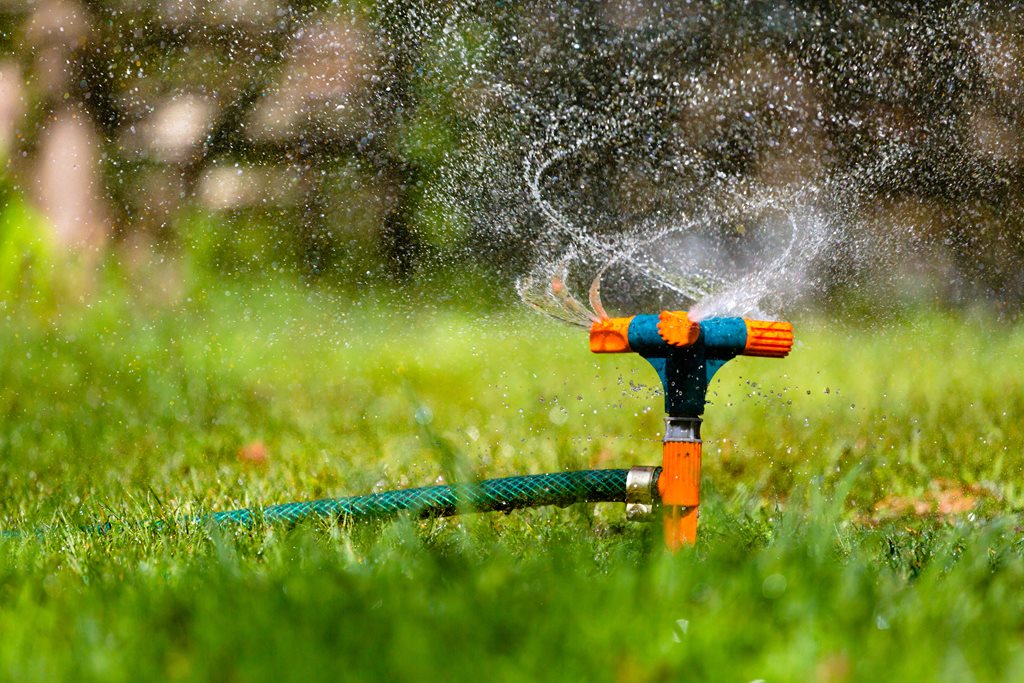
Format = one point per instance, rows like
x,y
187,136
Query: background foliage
x,y
310,135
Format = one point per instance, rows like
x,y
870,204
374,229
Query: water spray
x,y
686,354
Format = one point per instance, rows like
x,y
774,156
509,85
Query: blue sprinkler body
x,y
686,354
686,372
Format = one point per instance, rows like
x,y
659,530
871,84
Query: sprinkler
x,y
686,355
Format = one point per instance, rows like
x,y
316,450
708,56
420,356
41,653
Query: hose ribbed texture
x,y
510,493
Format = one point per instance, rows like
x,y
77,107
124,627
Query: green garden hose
x,y
509,493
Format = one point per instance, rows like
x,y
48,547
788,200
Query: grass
x,y
127,409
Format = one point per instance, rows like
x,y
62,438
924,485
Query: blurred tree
x,y
320,127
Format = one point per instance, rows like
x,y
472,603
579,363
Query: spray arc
x,y
686,354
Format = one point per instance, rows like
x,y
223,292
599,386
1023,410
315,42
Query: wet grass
x,y
120,411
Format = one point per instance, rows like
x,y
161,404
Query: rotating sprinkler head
x,y
686,355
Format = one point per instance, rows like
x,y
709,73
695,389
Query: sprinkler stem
x,y
679,483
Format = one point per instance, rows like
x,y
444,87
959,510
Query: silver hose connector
x,y
641,492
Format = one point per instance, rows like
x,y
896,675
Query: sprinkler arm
x,y
686,355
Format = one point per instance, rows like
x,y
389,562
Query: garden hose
x,y
636,487
509,493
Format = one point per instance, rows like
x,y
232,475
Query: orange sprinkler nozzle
x,y
768,339
677,330
610,335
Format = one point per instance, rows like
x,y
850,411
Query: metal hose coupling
x,y
641,492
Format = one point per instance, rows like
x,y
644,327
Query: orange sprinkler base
x,y
680,524
679,483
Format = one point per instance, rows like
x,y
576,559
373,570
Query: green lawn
x,y
124,410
